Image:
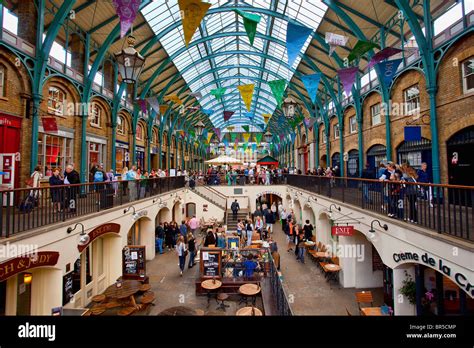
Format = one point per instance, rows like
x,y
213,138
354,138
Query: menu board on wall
x,y
211,263
67,288
133,262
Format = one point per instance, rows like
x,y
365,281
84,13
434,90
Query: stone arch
x,y
104,105
163,215
347,107
323,227
367,95
8,58
65,83
177,214
466,53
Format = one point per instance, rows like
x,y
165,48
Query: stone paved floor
x,y
306,286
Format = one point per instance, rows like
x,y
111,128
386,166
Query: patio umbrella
x,y
224,160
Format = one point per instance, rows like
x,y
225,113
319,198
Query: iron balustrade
x,y
73,201
446,209
239,180
281,299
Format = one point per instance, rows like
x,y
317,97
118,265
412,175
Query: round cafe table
x,y
249,290
210,285
321,254
128,288
249,311
332,267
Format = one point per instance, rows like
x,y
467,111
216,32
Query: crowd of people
x,y
246,176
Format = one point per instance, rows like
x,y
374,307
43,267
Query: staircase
x,y
231,222
211,196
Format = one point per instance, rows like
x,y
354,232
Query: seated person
x,y
220,240
249,266
210,239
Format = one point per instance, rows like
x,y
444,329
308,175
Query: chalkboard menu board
x,y
68,293
133,262
211,263
233,242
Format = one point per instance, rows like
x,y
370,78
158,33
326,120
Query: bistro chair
x,y
364,297
222,297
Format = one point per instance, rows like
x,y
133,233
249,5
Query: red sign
x,y
342,230
23,263
99,231
49,124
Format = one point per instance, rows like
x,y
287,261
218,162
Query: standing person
x,y
410,176
251,176
394,195
132,184
257,212
283,217
56,193
193,224
71,177
274,211
249,232
235,207
183,229
175,232
168,236
259,226
424,177
191,249
160,237
99,177
289,234
240,228
269,219
275,253
123,178
181,250
267,177
300,240
35,182
308,230
367,173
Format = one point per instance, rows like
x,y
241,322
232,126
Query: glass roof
x,y
230,61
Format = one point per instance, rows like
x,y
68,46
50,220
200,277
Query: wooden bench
x,y
364,297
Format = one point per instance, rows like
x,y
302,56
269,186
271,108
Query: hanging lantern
x,y
130,62
289,107
27,278
268,137
199,127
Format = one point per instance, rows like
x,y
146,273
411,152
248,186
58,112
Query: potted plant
x,y
409,288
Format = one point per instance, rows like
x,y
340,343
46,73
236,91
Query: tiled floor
x,y
308,291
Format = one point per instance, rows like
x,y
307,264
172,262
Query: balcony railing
x,y
25,209
446,209
280,297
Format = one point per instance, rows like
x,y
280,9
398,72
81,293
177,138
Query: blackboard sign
x,y
133,262
233,242
68,293
211,263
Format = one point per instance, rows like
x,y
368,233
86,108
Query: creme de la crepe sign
x,y
439,265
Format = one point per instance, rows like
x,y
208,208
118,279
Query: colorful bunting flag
x,y
127,12
233,137
250,24
250,115
261,125
246,128
388,69
296,36
163,109
282,137
266,117
142,103
335,40
209,137
258,137
217,132
192,13
360,48
382,55
347,77
225,141
311,83
244,146
246,91
228,115
246,137
197,95
153,101
278,90
311,123
174,99
218,92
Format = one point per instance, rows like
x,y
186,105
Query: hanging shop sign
x,y
342,230
23,263
437,264
100,231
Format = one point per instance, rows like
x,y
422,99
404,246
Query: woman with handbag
x,y
35,182
182,253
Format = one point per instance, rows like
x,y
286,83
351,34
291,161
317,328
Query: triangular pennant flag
x,y
261,125
127,12
254,147
306,121
388,69
296,36
163,109
250,24
282,137
173,98
244,147
218,92
226,142
182,133
235,147
360,48
278,90
217,131
382,55
335,40
233,137
228,115
246,137
258,137
208,112
311,83
197,95
209,137
250,115
153,101
311,123
246,91
221,136
142,104
192,13
246,128
266,117
347,77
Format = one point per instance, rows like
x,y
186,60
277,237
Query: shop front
x,y
415,153
55,149
97,151
9,148
375,155
140,158
155,157
25,279
122,157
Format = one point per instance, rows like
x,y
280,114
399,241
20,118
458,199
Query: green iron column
x,y
316,146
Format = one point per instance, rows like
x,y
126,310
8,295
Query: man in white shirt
x,y
193,224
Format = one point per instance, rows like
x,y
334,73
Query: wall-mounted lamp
x,y
83,237
27,278
156,200
134,215
371,235
335,207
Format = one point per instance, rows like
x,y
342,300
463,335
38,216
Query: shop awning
x,y
267,161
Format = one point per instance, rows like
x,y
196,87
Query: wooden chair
x,y
126,311
364,297
145,287
98,298
348,313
